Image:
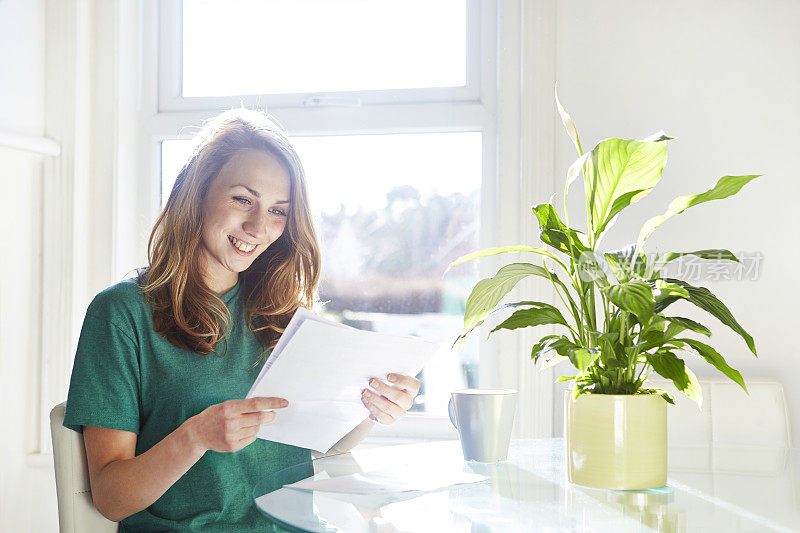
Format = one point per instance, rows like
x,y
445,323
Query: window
x,y
312,52
336,50
382,100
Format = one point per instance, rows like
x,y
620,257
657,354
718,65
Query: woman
x,y
164,360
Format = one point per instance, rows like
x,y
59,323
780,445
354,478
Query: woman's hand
x,y
230,426
389,402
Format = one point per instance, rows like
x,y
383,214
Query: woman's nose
x,y
256,226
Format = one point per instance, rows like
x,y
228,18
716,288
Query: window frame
x,y
170,76
164,115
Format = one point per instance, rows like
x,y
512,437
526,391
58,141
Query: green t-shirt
x,y
128,377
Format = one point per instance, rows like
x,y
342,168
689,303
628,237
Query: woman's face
x,y
244,212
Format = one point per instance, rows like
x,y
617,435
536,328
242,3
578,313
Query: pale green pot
x,y
616,441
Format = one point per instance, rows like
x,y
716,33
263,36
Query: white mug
x,y
484,418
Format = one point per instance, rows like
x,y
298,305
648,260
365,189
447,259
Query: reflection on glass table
x,y
723,489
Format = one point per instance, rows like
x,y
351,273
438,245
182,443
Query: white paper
x,y
321,367
383,481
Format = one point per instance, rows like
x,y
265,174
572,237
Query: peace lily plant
x,y
618,330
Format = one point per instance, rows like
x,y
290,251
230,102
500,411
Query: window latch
x,y
331,101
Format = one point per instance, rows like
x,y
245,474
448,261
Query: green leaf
x,y
501,250
712,356
634,296
617,168
616,355
581,358
553,232
544,345
725,187
652,339
464,333
702,254
619,204
539,315
704,299
487,293
561,344
687,323
663,289
658,391
617,268
561,379
668,365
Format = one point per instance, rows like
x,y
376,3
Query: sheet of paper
x,y
321,367
301,315
388,481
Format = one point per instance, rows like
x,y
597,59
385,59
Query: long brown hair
x,y
286,275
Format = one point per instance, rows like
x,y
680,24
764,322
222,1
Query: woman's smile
x,y
241,247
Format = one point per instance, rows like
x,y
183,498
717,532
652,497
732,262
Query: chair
x,y
76,510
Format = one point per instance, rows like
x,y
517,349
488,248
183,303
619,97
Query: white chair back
x,y
76,510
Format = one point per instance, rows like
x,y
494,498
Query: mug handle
x,y
451,410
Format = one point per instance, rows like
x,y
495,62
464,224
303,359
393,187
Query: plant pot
x,y
616,441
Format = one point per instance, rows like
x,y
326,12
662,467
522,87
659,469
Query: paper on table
x,y
387,481
321,367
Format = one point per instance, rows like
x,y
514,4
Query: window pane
x,y
299,46
392,212
173,155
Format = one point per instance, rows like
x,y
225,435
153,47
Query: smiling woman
x,y
244,174
165,361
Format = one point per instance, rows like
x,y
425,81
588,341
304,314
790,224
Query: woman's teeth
x,y
240,245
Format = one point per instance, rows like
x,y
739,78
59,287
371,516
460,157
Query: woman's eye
x,y
242,200
278,212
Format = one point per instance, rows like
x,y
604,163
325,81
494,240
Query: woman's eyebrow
x,y
257,194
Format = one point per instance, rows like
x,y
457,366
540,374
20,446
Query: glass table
x,y
713,488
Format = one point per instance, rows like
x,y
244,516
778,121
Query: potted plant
x,y
616,329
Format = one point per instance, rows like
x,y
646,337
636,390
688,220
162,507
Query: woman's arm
x,y
123,484
351,440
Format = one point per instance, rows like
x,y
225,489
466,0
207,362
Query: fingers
x,y
389,403
385,411
257,419
251,424
398,396
376,414
251,405
262,404
247,441
405,382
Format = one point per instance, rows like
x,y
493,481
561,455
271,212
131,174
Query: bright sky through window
x,y
300,46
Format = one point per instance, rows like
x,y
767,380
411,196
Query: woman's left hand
x,y
388,402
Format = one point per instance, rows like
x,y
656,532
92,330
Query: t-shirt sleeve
x,y
104,387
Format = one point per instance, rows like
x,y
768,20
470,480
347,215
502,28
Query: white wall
x,y
27,489
724,78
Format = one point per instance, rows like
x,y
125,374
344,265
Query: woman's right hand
x,y
231,425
